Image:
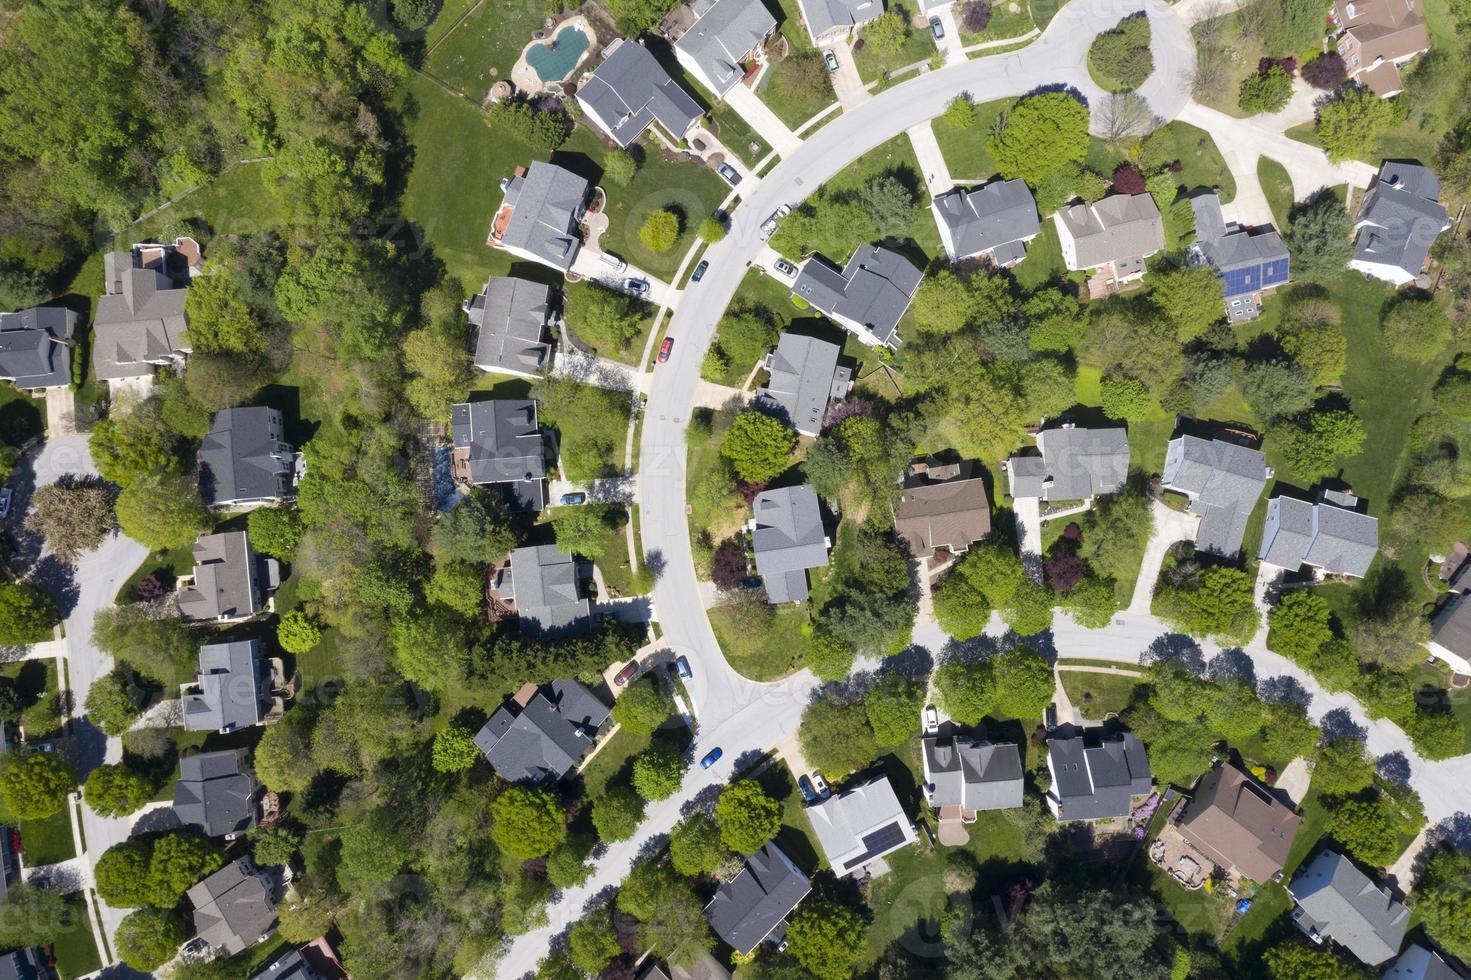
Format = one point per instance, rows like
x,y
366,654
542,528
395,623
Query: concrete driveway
x,y
932,163
767,124
1170,527
951,44
590,265
847,84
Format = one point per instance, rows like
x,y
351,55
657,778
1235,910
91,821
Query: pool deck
x,y
525,78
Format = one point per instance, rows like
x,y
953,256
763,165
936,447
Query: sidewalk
x,y
760,117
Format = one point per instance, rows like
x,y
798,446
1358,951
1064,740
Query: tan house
x,y
1238,824
1377,37
1110,239
942,505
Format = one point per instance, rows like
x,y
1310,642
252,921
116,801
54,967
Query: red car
x,y
665,348
626,674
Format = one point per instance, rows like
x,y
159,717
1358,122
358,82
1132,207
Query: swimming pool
x,y
554,64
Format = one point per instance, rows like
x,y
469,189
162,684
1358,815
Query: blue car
x,y
710,759
573,498
699,272
682,667
805,785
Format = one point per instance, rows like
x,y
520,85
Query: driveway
x,y
759,116
847,83
590,265
1028,511
951,44
932,164
1170,526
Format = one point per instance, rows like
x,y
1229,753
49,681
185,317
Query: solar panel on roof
x,y
1274,272
1239,281
884,839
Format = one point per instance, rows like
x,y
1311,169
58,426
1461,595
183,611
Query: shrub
x,y
35,785
1327,71
1128,180
660,231
1265,93
758,447
974,16
1416,326
297,632
527,823
454,749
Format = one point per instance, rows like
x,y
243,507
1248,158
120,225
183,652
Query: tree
x,y
887,33
1278,388
1220,604
1023,681
658,770
1327,71
275,845
695,847
134,443
967,691
961,609
1265,92
527,823
1342,767
592,944
1321,348
454,749
826,938
1293,959
27,614
1416,326
567,866
974,15
729,566
643,706
1313,451
1189,298
1453,396
220,318
122,874
1367,830
829,656
430,649
660,230
634,18
373,851
1092,602
1353,120
758,447
275,531
281,751
747,817
113,701
34,916
177,862
1041,134
961,112
73,515
1125,116
35,785
893,709
475,531
619,167
1299,624
712,229
1125,398
599,312
582,530
1436,734
528,124
1119,58
1320,238
149,938
890,204
617,813
1444,900
458,587
161,511
116,790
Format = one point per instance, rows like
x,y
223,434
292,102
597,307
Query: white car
x,y
931,720
820,786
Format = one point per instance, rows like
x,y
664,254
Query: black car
x,y
699,272
730,174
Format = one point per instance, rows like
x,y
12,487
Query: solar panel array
x,y
1274,272
886,838
1240,281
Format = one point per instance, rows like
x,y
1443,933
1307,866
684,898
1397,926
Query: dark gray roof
x,y
546,200
1076,464
788,539
805,376
233,908
1339,901
291,966
1093,776
215,792
1401,217
973,775
977,221
630,90
1223,481
1337,539
510,319
245,458
1419,963
227,579
1115,229
872,291
828,15
1246,260
139,320
29,353
1450,627
726,31
747,908
505,445
546,738
20,964
230,689
543,582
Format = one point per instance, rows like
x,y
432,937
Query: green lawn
x,y
918,46
613,763
1277,187
1096,695
1238,56
763,655
1004,23
737,134
1201,161
166,565
1199,912
75,950
617,574
21,416
965,149
36,683
47,841
594,336
1044,262
485,45
792,103
237,203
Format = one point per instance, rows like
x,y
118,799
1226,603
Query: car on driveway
x,y
731,174
711,757
937,28
808,793
681,666
628,673
820,785
573,498
699,272
931,720
786,268
665,348
636,287
831,60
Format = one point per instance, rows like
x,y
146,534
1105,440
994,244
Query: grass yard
x,y
918,46
166,565
1201,160
762,654
47,841
594,336
484,46
21,416
240,202
1011,19
792,102
36,684
1096,695
1238,57
613,765
1044,262
1199,913
617,575
965,149
75,950
737,134
1277,186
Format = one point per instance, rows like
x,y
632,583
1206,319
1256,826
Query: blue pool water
x,y
554,64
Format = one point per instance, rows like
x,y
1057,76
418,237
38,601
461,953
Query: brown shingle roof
x,y
1239,824
942,507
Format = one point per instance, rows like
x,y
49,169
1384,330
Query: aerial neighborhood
x,y
708,489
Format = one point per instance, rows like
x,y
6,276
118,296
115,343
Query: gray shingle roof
x,y
727,30
1223,481
1450,627
504,442
29,353
630,90
233,908
1094,777
139,320
1338,900
872,291
215,792
788,539
860,825
1419,963
510,319
21,964
829,15
1335,538
1246,261
230,689
291,966
1119,227
245,458
973,775
227,579
547,737
805,376
747,908
1401,217
545,588
547,200
976,221
1076,464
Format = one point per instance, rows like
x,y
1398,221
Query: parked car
x,y
937,28
613,262
637,287
831,60
699,272
808,793
931,720
682,668
665,348
731,174
711,757
820,785
5,494
786,268
768,227
575,497
627,674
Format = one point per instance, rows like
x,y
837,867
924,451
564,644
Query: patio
x,y
1178,858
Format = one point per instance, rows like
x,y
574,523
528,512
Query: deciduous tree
x,y
1040,134
758,447
527,823
747,817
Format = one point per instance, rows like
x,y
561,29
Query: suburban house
x,y
1239,824
509,322
227,695
1075,464
1110,238
1419,963
542,585
788,538
868,296
1096,776
1331,536
1450,630
859,825
216,793
230,582
139,323
1377,37
1223,481
1400,219
993,222
317,960
964,776
499,442
942,506
235,907
245,460
36,347
549,731
23,964
837,18
753,906
725,35
630,91
1250,263
1337,901
541,208
804,378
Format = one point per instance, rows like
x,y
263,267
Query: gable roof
x,y
1419,963
1246,262
215,793
985,218
1118,227
1238,823
243,458
873,290
630,90
1339,901
1223,481
510,319
832,15
1094,776
233,907
747,908
1326,535
1389,29
230,690
542,579
21,964
545,201
30,355
804,377
860,825
1076,464
226,579
788,539
942,506
971,774
1401,218
546,738
503,440
726,31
